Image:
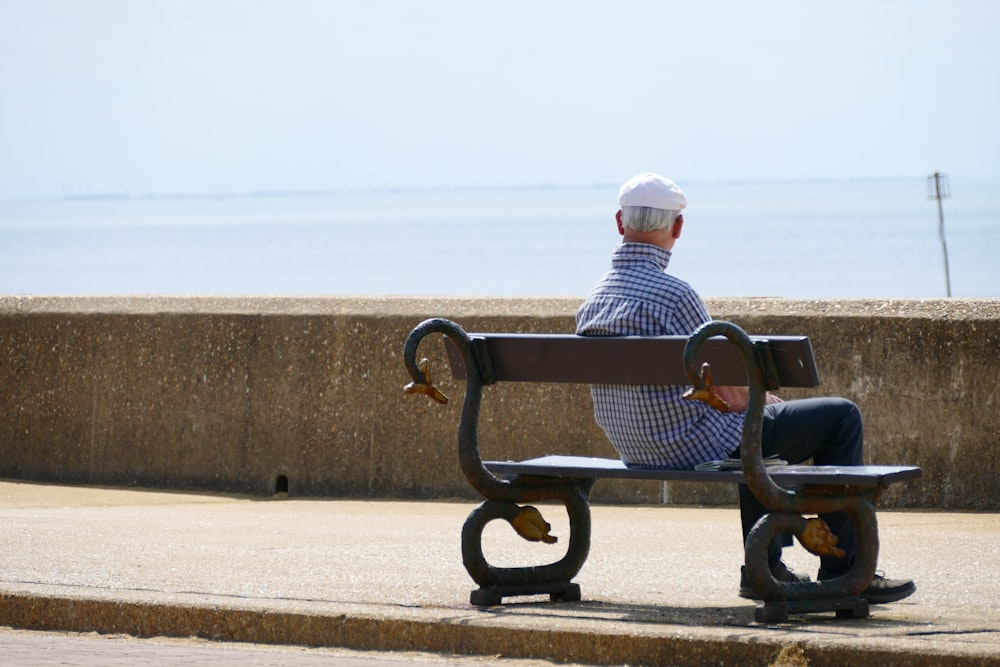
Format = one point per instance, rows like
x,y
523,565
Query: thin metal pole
x,y
939,195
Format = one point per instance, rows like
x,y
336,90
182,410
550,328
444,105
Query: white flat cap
x,y
653,191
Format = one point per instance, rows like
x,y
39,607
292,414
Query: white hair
x,y
646,219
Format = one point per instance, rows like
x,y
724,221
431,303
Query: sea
x,y
861,238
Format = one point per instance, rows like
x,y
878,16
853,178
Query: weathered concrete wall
x,y
231,393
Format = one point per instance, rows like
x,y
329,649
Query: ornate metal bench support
x,y
503,495
554,579
839,595
787,506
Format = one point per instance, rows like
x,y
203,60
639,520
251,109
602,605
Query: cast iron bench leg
x,y
554,579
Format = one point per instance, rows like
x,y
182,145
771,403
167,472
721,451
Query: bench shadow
x,y
736,616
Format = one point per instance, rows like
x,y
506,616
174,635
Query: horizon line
x,y
277,193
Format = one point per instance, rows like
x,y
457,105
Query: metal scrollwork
x,y
787,506
503,495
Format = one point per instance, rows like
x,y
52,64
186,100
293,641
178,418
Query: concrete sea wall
x,y
254,395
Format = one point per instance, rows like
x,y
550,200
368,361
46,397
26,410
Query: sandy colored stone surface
x,y
386,575
33,648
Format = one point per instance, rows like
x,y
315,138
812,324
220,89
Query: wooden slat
x,y
631,360
582,467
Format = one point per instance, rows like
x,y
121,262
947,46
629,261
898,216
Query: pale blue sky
x,y
158,96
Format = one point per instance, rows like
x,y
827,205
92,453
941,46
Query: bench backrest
x,y
631,359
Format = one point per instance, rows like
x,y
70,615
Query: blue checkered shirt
x,y
652,426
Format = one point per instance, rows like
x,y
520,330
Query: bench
x,y
718,353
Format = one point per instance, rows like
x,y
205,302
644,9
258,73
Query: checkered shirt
x,y
652,426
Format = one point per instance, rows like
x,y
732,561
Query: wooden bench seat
x,y
585,467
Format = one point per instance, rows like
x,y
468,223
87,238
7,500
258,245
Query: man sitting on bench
x,y
654,427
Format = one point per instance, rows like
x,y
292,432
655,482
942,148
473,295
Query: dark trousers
x,y
830,432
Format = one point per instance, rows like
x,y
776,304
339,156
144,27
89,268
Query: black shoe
x,y
881,590
779,572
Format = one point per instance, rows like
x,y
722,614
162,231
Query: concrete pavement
x,y
659,587
35,648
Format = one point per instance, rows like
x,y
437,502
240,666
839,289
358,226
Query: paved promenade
x,y
659,587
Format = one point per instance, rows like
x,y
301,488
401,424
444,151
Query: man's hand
x,y
739,397
736,397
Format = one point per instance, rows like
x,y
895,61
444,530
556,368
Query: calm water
x,y
800,240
